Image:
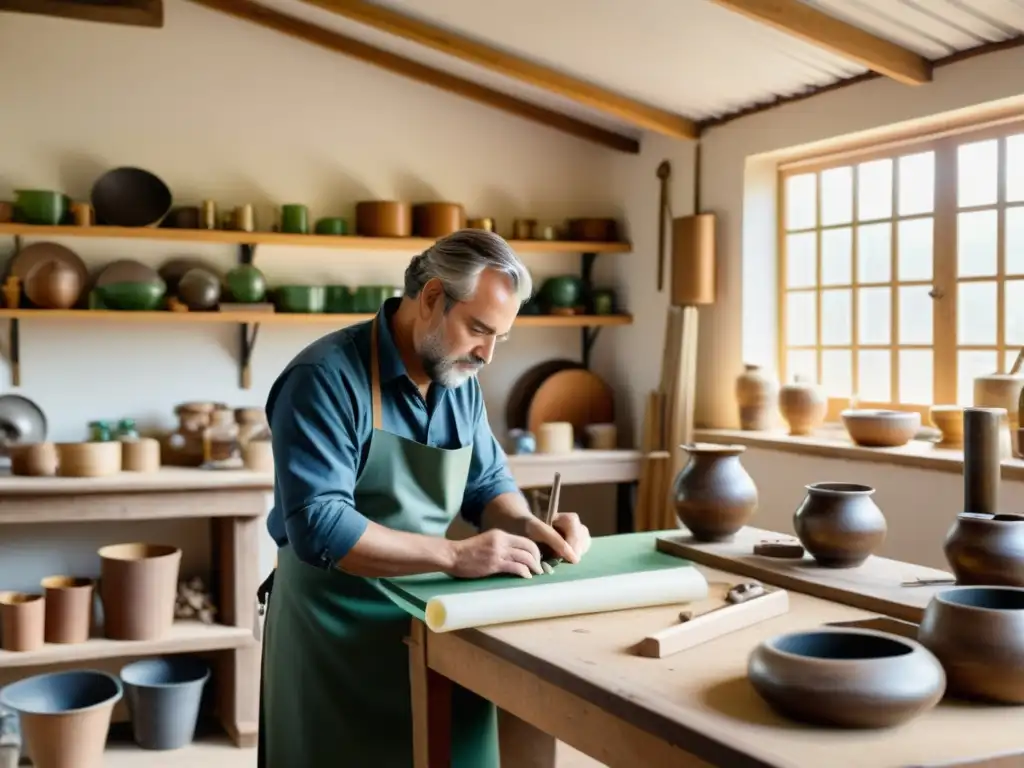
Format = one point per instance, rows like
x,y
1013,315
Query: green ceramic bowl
x,y
309,299
338,299
368,298
563,291
40,206
246,284
138,297
332,225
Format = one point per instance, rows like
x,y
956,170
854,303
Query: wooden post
x,y
431,705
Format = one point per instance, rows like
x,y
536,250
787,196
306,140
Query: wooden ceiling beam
x,y
136,13
514,67
347,46
812,26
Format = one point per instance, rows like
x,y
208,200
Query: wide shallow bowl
x,y
977,633
881,429
130,197
846,678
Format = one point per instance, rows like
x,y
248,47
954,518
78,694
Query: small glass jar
x,y
126,430
100,431
221,447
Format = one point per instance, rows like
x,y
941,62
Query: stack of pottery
x,y
756,395
803,405
714,496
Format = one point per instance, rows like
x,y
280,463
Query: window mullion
x,y
944,288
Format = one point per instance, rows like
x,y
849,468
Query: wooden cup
x,y
68,609
140,455
22,618
555,437
34,459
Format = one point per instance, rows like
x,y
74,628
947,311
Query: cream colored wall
x,y
738,184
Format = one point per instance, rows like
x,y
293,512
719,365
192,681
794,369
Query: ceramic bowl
x,y
949,420
977,633
139,297
40,206
881,429
846,678
300,298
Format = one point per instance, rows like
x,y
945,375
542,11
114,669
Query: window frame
x,y
945,345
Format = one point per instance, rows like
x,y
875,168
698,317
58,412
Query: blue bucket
x,y
163,697
45,703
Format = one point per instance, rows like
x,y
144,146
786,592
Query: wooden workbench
x,y
577,680
234,502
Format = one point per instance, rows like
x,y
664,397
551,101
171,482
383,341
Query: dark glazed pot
x,y
846,678
977,633
839,524
714,495
986,549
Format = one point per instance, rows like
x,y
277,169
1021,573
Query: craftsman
x,y
380,440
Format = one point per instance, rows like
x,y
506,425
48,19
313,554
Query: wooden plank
x,y
167,480
712,624
68,507
846,40
138,13
378,57
184,637
504,63
334,242
583,467
873,586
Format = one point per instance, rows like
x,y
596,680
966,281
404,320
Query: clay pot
x,y
68,609
714,496
986,549
881,429
948,419
1001,390
33,459
846,678
839,524
22,619
803,405
54,284
138,586
756,395
977,633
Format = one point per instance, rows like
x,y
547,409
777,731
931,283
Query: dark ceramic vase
x,y
839,524
846,678
987,549
714,495
977,633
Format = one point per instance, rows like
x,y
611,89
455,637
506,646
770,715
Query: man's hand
x,y
495,551
567,537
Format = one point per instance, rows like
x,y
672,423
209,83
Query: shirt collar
x,y
391,365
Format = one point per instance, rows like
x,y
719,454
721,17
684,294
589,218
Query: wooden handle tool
x,y
549,563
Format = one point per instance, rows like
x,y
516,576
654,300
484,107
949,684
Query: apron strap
x,y
375,398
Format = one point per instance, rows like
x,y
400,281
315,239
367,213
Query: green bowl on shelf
x,y
40,206
246,284
562,292
338,299
331,225
368,298
134,297
306,299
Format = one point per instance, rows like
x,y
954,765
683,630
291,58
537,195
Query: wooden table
x,y
234,502
577,680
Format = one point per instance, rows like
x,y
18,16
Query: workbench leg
x,y
237,552
523,745
431,705
625,497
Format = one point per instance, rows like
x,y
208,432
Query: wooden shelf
x,y
281,318
183,637
346,242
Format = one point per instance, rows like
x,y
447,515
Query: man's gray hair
x,y
457,261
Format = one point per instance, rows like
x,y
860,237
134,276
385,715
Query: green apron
x,y
335,689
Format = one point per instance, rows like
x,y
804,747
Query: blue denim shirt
x,y
321,421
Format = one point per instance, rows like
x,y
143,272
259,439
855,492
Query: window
x,y
902,270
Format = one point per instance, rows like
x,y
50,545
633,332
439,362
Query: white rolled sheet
x,y
537,600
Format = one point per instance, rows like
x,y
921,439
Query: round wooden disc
x,y
517,405
577,396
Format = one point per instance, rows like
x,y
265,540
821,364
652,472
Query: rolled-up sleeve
x,y
316,457
489,475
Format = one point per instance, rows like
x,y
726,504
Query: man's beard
x,y
447,371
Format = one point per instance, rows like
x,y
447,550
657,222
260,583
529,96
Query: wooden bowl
x,y
846,678
33,459
89,459
881,429
977,633
949,420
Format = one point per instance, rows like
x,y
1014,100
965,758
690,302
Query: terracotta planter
x,y
714,495
986,549
138,587
847,678
68,609
978,635
757,397
839,524
64,716
803,406
22,618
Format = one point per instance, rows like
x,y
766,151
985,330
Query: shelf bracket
x,y
587,335
247,334
14,350
246,253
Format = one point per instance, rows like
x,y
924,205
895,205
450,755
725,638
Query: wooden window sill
x,y
832,442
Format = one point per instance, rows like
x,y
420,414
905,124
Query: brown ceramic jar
x,y
757,397
803,405
986,549
714,495
977,633
839,524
